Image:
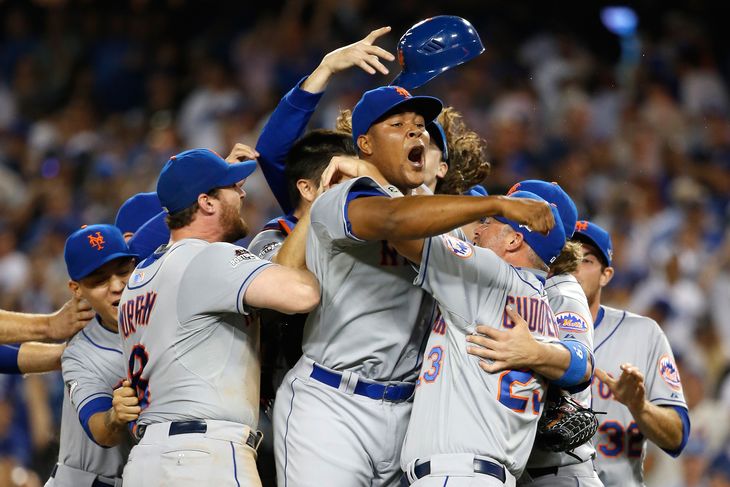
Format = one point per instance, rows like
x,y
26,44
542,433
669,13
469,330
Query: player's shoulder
x,y
340,192
94,340
633,321
266,241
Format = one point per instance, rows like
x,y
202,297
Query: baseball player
x,y
135,212
570,306
341,412
468,427
94,438
64,323
190,333
636,381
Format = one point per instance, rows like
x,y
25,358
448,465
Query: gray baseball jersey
x,y
458,408
190,343
371,319
621,337
575,322
265,245
93,367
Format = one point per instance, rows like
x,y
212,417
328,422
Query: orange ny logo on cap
x,y
513,189
402,92
96,241
581,226
401,59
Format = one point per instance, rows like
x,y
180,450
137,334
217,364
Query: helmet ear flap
x,y
433,46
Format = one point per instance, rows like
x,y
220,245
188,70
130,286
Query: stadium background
x,y
95,96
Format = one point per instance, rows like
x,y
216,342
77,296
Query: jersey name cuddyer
x,y
190,345
459,408
622,337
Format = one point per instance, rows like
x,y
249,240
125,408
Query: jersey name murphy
x,y
136,312
536,312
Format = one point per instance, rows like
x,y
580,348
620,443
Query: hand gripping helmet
x,y
433,46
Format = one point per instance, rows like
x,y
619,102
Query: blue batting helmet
x,y
433,46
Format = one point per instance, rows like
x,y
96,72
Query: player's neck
x,y
110,325
595,305
209,233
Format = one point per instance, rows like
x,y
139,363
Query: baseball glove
x,y
564,424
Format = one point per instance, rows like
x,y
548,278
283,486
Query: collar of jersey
x,y
539,275
599,317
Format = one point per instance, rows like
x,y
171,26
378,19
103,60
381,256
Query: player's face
x,y
590,274
232,223
103,288
492,234
435,168
398,149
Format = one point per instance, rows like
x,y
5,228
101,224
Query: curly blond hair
x,y
568,260
468,163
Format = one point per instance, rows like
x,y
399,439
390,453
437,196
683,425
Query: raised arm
x,y
291,116
416,217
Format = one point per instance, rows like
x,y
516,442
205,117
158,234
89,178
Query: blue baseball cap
x,y
547,247
136,211
196,171
380,101
150,236
438,137
591,233
92,246
553,194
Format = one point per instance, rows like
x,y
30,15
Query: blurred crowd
x,y
94,100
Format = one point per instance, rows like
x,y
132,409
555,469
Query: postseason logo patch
x,y
458,247
71,386
572,322
137,277
668,371
241,255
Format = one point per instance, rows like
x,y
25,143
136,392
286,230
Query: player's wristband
x,y
578,364
9,359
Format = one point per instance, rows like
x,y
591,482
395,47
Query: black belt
x,y
188,427
541,472
380,392
96,483
480,466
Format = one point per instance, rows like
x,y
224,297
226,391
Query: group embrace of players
x,y
439,319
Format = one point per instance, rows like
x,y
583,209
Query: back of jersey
x,y
458,407
622,337
190,345
371,319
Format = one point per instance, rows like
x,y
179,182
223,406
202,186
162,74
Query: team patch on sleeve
x,y
668,371
458,247
572,322
268,248
241,255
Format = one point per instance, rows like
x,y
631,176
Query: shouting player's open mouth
x,y
417,156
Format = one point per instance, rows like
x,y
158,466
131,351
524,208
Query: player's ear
x,y
205,203
514,241
443,169
606,276
307,189
365,145
75,288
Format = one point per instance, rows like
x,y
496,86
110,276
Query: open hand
x,y
628,389
362,53
72,317
242,152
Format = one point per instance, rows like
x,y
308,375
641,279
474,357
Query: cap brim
x,y
428,107
237,172
585,238
92,267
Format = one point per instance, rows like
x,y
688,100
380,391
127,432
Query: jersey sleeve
x,y
267,243
329,217
216,280
663,384
568,302
285,125
87,389
457,274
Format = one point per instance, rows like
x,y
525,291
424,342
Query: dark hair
x,y
186,216
309,156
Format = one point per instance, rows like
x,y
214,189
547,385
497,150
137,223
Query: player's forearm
x,y
36,357
293,251
318,80
105,430
660,425
553,360
23,327
416,217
